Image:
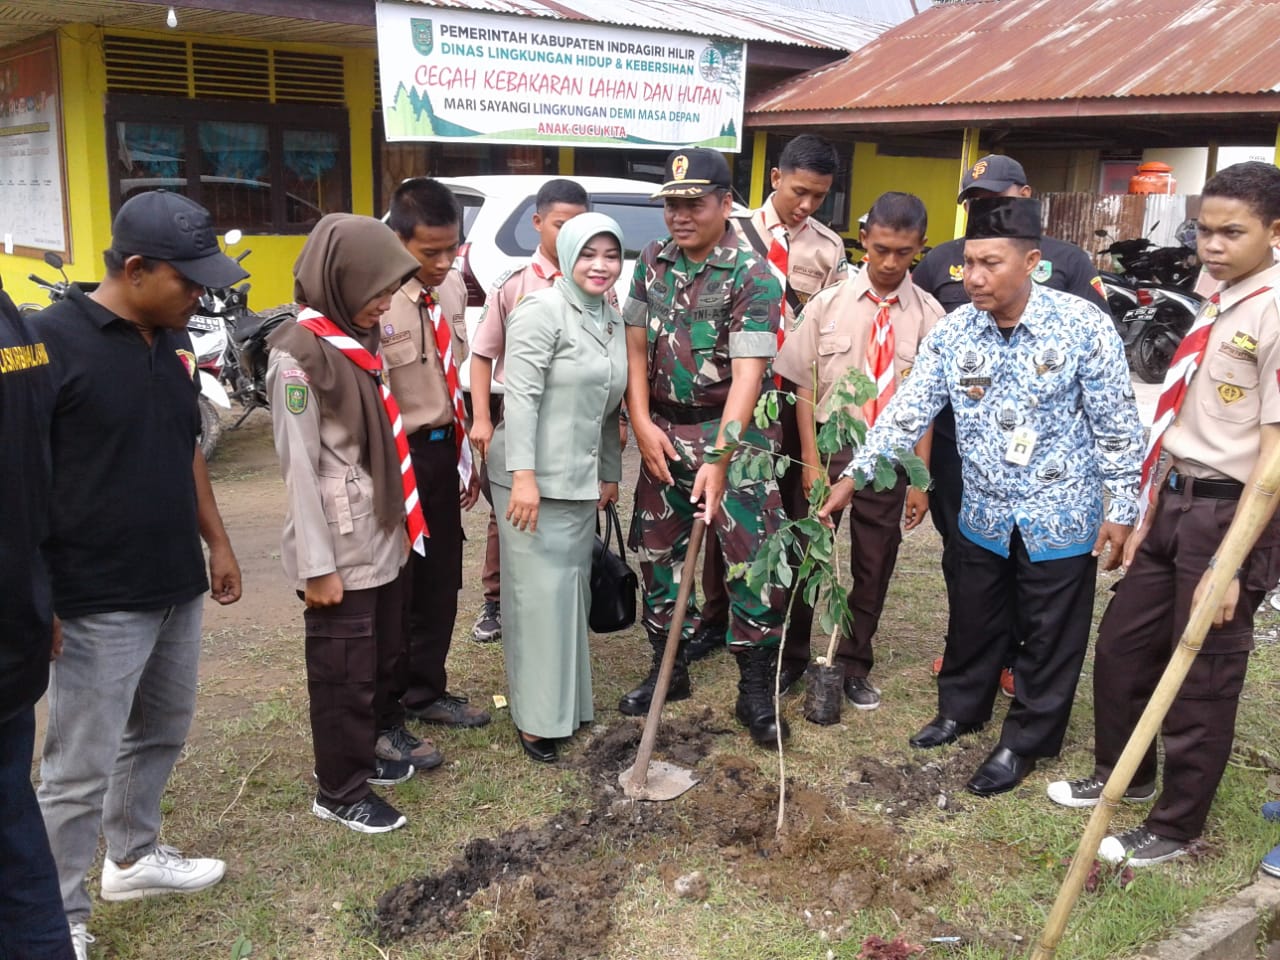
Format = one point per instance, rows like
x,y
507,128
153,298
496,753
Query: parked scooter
x,y
57,290
237,338
1151,298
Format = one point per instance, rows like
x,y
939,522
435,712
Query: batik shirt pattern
x,y
1062,376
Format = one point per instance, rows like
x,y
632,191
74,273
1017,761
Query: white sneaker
x,y
80,940
163,870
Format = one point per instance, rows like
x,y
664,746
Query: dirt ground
x,y
553,893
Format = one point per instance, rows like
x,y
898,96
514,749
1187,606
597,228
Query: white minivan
x,y
498,234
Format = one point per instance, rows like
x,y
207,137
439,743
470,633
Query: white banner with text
x,y
495,78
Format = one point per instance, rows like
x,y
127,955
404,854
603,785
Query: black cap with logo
x,y
694,172
170,227
995,173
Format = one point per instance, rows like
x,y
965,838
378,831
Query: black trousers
x,y
33,923
354,658
1138,635
944,498
1049,604
944,510
436,578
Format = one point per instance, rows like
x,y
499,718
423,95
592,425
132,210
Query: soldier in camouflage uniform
x,y
702,320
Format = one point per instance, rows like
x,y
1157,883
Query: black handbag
x,y
613,582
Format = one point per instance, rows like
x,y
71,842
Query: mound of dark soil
x,y
904,788
548,891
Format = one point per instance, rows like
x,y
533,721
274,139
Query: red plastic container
x,y
1153,177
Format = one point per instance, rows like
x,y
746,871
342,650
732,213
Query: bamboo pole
x,y
1252,515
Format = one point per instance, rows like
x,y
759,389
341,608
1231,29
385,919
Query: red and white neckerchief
x,y
1186,360
779,247
877,362
327,331
444,346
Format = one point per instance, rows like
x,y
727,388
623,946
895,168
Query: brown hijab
x,y
346,262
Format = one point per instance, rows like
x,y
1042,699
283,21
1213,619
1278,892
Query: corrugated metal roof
x,y
761,21
1008,51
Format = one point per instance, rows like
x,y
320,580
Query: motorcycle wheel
x,y
210,428
1147,358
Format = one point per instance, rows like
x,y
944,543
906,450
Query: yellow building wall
x,y
88,202
934,180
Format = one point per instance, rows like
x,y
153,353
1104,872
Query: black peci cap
x,y
168,226
1009,217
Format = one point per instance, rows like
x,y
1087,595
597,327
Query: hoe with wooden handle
x,y
1254,512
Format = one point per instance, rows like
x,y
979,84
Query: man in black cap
x,y
1045,423
131,500
1063,266
32,923
702,321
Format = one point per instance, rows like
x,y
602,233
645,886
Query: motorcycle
x,y
57,290
211,391
237,352
1151,298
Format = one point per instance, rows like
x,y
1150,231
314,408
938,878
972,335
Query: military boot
x,y
756,667
635,703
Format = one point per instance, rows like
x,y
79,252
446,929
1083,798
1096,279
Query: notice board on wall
x,y
33,216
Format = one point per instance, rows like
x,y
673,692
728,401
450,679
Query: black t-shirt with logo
x,y
1063,266
124,526
26,405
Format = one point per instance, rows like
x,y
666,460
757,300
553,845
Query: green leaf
x,y
241,948
784,575
733,432
772,404
782,465
886,476
714,454
917,472
826,622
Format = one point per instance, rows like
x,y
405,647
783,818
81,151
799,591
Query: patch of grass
x,y
299,889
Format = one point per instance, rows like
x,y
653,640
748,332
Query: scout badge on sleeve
x,y
295,397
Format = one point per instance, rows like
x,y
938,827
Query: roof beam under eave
x,y
949,115
355,12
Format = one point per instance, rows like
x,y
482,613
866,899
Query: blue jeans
x,y
32,923
121,698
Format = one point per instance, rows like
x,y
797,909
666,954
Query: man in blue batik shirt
x,y
1045,423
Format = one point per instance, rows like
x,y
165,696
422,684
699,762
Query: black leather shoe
x,y
706,640
541,751
941,730
1001,771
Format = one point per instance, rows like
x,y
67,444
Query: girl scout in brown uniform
x,y
344,543
1227,419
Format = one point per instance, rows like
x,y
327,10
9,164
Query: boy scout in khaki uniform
x,y
702,320
835,333
424,380
1216,432
806,256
